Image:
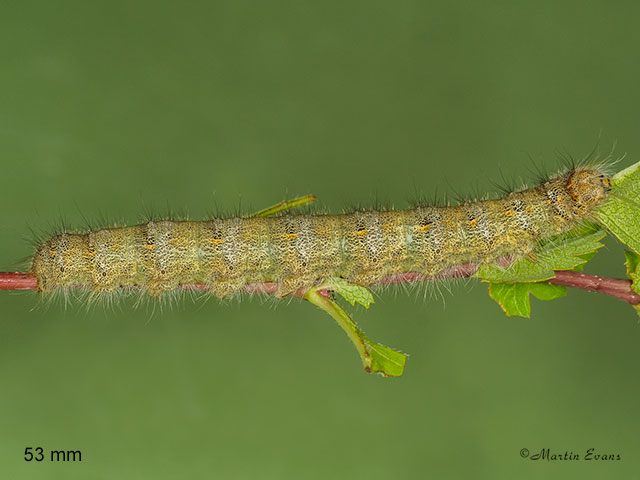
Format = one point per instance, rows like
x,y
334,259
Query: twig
x,y
614,287
17,281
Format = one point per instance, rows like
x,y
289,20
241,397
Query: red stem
x,y
17,281
614,287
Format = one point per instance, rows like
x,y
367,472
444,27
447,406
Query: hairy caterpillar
x,y
298,252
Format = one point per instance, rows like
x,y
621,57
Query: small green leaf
x,y
375,357
565,253
513,298
620,213
384,360
586,258
351,293
284,205
633,264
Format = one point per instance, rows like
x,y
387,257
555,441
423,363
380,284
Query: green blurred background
x,y
113,109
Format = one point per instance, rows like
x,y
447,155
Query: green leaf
x,y
284,205
620,213
384,360
375,357
569,252
351,293
633,272
633,264
586,257
513,298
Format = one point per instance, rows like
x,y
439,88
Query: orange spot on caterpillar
x,y
473,222
571,188
361,233
52,253
217,241
424,228
150,246
509,213
291,236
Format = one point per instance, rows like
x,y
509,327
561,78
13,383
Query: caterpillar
x,y
297,252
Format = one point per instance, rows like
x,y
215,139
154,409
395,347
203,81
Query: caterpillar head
x,y
588,187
